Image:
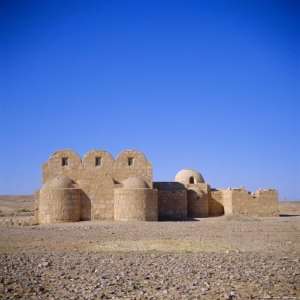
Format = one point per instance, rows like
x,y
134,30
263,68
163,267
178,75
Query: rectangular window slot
x,y
130,161
64,161
98,161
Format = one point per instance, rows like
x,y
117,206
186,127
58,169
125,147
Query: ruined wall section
x,y
172,200
238,201
131,163
263,203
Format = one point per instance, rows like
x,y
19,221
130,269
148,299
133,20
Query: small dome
x,y
135,183
188,176
59,182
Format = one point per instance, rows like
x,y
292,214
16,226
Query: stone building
x,y
99,187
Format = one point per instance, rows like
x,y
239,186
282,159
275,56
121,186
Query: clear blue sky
x,y
209,85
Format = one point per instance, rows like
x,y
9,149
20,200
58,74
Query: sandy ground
x,y
212,258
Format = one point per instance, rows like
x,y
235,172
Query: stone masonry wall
x,y
263,203
215,203
135,204
197,197
130,163
59,205
94,179
172,200
97,184
98,174
227,201
53,167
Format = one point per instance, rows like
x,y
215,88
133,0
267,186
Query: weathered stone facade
x,y
99,187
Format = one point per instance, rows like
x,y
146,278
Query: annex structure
x,y
99,187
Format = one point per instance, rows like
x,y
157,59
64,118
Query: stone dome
x,y
188,176
59,182
135,183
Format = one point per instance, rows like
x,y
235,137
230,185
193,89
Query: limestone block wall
x,y
97,162
263,203
102,197
85,207
227,201
135,205
268,202
59,205
197,200
97,185
131,163
98,200
172,200
215,203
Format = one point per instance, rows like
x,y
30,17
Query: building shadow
x,y
288,215
216,208
178,220
85,207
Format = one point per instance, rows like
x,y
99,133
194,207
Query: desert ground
x,y
211,258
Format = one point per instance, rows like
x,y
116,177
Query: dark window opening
x,y
64,161
192,180
98,161
130,161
